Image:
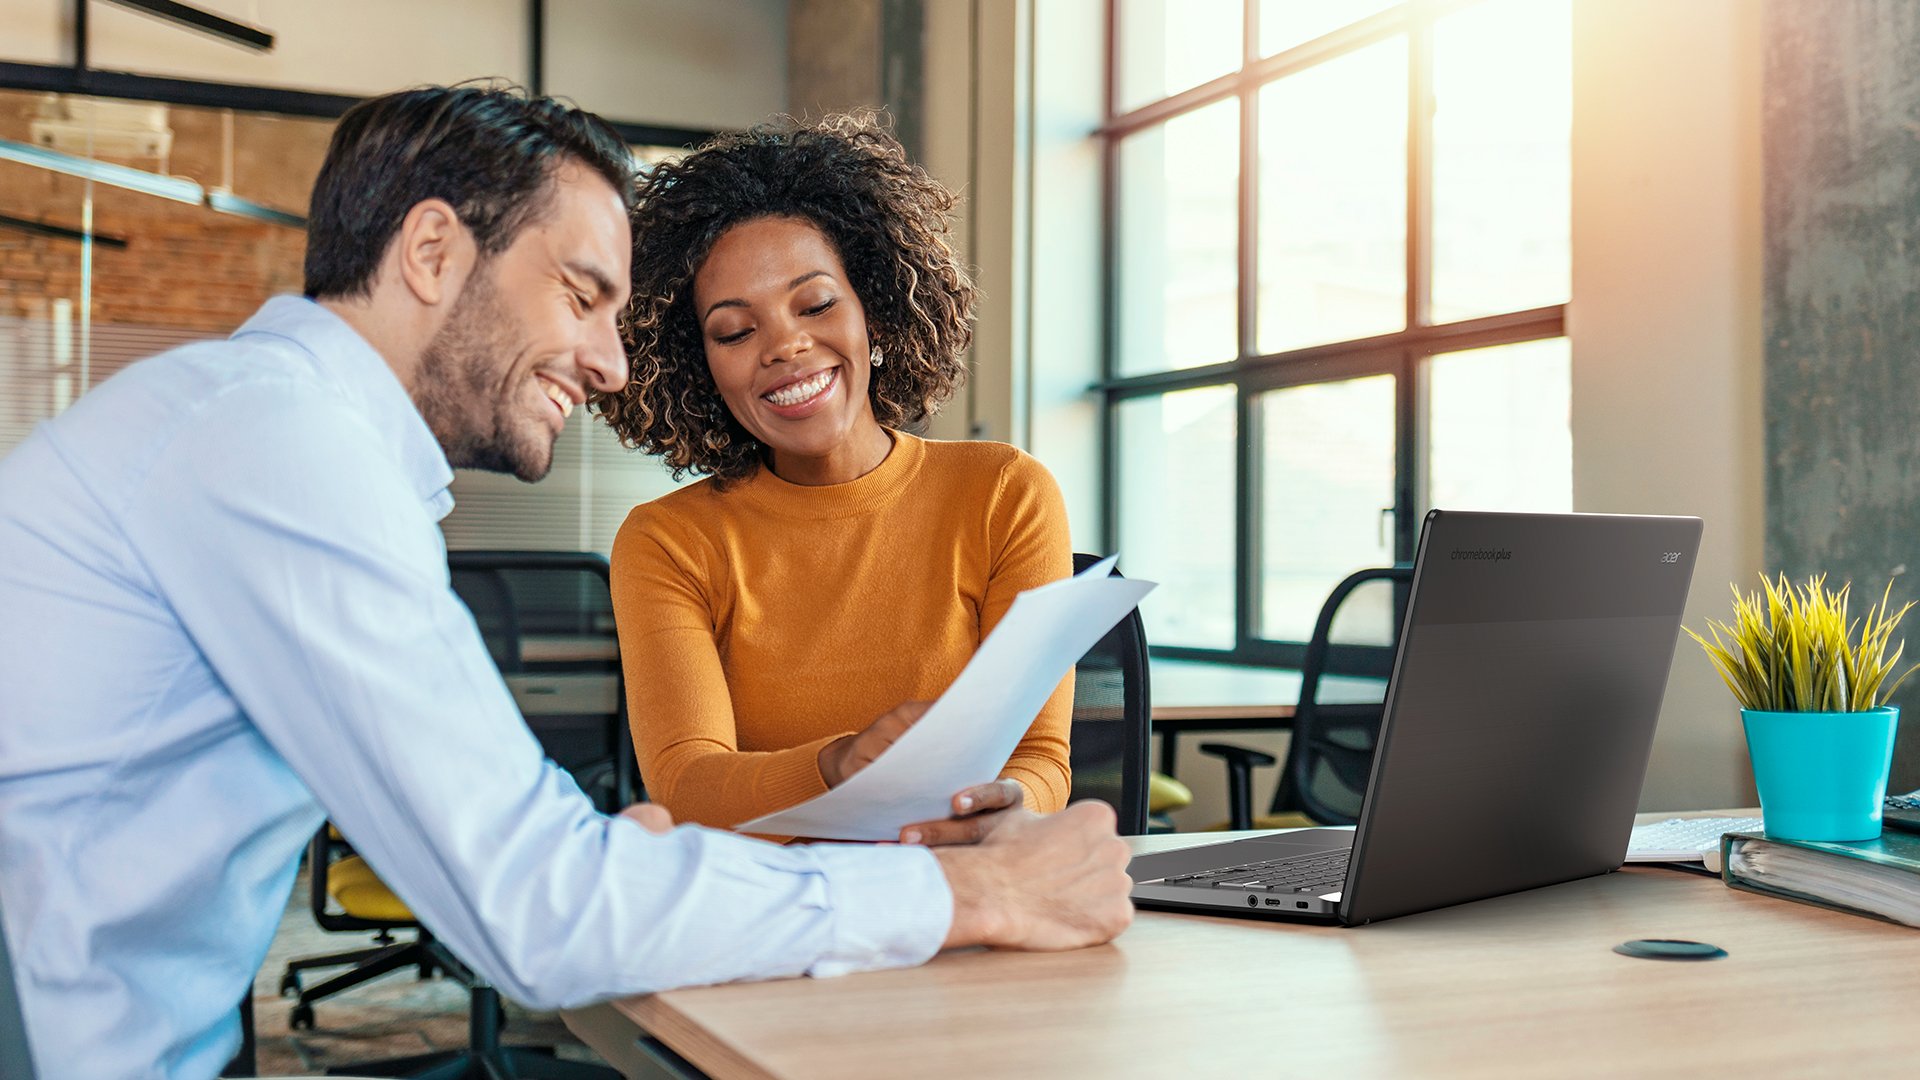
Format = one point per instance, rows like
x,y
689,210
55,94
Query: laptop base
x,y
1152,887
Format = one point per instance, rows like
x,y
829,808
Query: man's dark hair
x,y
488,151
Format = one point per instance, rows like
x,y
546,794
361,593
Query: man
x,y
225,615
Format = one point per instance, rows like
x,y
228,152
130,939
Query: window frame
x,y
1401,354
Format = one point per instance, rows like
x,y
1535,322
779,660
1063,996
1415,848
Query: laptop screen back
x,y
1521,710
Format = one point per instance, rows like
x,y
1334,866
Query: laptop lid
x,y
1520,714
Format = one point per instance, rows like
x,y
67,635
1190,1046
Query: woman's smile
x,y
797,398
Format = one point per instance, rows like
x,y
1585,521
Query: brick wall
x,y
184,267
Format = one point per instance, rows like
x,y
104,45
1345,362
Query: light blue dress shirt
x,y
224,614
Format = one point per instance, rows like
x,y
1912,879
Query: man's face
x,y
533,331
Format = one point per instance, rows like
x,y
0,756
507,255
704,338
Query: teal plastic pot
x,y
1821,775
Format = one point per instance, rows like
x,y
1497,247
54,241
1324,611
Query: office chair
x,y
547,619
1111,714
364,904
365,900
1330,753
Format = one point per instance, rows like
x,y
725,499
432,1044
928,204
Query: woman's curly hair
x,y
885,217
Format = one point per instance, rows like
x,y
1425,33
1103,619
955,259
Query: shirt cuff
x,y
891,907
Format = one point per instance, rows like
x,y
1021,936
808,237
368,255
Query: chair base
x,y
484,1058
502,1063
367,966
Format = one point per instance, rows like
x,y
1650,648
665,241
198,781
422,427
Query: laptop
x,y
1518,720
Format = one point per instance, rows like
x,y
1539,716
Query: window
x,y
1338,240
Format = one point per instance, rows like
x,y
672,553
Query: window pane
x,y
1326,495
1286,23
1167,46
1499,436
1503,106
1177,242
1176,512
1333,201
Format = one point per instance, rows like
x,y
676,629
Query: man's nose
x,y
605,358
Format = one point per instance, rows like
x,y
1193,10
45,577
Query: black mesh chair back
x,y
1331,752
16,1060
547,619
1111,713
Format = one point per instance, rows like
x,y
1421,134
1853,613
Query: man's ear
x,y
435,252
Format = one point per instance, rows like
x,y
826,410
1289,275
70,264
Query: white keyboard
x,y
1685,839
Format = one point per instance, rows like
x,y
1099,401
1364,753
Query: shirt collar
x,y
361,373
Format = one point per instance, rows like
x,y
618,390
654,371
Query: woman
x,y
796,306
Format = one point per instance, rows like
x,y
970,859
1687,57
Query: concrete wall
x,y
689,63
1843,304
1665,323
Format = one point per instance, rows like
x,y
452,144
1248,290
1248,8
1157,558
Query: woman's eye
x,y
734,338
820,308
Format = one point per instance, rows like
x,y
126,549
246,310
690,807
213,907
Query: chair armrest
x,y
1241,761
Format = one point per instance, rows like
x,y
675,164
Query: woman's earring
x,y
876,356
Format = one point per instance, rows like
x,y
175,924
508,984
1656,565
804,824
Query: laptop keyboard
x,y
1318,872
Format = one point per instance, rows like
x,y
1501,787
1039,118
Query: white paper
x,y
966,737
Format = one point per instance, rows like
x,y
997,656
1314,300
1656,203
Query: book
x,y
1878,878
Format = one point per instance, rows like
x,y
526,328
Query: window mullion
x,y
1420,173
1247,513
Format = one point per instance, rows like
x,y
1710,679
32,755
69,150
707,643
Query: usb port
x,y
1273,901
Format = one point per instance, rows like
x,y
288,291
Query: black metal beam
x,y
48,78
58,232
81,35
537,47
202,20
661,134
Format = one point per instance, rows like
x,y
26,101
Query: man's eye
x,y
821,307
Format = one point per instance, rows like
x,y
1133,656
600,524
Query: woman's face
x,y
786,340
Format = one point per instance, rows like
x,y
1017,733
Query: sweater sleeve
x,y
1029,545
678,704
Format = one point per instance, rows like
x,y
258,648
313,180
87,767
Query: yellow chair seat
x,y
1292,819
1165,794
361,894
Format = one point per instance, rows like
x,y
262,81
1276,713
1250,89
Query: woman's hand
x,y
975,813
651,816
848,754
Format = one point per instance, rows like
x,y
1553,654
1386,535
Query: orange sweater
x,y
759,623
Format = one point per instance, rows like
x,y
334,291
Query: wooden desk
x,y
1517,986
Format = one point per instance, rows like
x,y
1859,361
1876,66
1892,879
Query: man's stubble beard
x,y
459,392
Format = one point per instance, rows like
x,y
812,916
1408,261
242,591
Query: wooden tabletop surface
x,y
1523,985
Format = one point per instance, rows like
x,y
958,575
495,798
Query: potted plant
x,y
1812,688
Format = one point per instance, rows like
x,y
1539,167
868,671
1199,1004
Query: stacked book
x,y
1880,877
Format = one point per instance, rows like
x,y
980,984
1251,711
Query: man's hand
x,y
849,754
1041,883
652,817
976,811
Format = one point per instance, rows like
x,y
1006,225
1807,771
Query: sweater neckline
x,y
857,496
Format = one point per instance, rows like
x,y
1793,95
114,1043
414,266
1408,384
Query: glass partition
x,y
128,228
